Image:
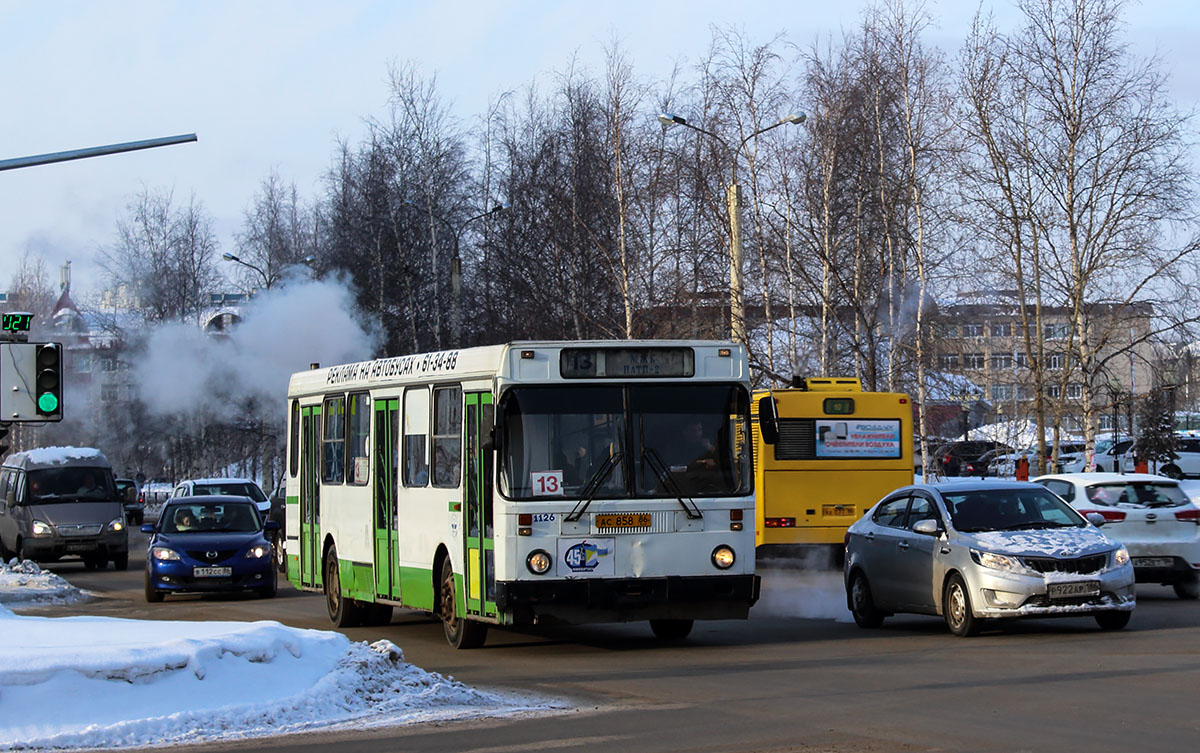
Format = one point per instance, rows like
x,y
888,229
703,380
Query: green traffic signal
x,y
47,402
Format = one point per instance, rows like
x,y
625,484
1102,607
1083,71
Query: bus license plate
x,y
212,572
624,520
1071,590
838,510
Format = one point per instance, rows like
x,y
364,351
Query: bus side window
x,y
357,439
447,436
334,444
294,439
416,430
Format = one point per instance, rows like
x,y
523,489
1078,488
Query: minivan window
x,y
70,483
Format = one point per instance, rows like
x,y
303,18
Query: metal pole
x,y
737,305
95,151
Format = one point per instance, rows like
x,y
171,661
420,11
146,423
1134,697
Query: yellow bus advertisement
x,y
839,450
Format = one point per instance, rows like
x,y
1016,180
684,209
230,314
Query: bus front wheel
x,y
343,612
460,631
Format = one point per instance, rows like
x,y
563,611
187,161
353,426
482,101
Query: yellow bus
x,y
839,450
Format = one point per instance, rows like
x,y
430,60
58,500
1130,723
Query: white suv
x,y
235,487
1187,464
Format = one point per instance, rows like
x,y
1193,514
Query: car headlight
x,y
538,562
1120,557
116,524
258,551
41,529
164,554
723,557
1000,562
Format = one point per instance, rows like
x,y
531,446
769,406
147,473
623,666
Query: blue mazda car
x,y
206,544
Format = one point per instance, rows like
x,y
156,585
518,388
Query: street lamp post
x,y
266,279
456,269
733,197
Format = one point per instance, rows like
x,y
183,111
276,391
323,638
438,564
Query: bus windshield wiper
x,y
592,487
660,469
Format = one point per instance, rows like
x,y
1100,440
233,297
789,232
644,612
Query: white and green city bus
x,y
579,482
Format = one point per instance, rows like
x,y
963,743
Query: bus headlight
x,y
723,557
538,562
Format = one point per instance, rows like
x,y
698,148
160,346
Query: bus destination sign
x,y
626,363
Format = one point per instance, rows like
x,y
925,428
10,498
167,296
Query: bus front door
x,y
310,496
480,547
387,426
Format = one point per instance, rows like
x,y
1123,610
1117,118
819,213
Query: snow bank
x,y
100,682
24,584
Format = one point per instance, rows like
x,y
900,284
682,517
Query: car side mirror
x,y
10,497
147,528
1095,519
271,525
927,527
768,419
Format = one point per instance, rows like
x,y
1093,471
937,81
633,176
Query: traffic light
x,y
48,394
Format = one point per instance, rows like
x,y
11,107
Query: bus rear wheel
x,y
343,612
671,630
460,631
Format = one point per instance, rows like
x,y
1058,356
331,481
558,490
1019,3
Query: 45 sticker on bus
x,y
587,557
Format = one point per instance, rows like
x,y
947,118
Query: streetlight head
x,y
668,120
501,207
795,118
308,259
229,257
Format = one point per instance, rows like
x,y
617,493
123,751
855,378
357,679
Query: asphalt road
x,y
797,676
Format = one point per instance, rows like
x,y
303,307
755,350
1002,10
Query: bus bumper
x,y
588,600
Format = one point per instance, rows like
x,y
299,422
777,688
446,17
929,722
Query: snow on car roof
x,y
59,455
217,481
1089,479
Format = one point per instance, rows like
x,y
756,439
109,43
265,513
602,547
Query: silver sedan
x,y
974,551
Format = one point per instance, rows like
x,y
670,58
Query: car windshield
x,y
978,510
1137,494
69,484
626,441
225,517
229,489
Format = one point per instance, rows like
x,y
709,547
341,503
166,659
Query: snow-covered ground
x,y
102,682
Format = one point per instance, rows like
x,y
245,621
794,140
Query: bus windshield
x,y
661,439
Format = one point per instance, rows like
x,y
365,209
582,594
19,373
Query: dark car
x,y
985,464
209,543
953,458
131,496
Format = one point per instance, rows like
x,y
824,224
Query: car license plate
x,y
1070,590
838,510
1153,562
80,547
212,572
624,520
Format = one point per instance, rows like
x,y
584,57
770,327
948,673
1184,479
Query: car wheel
x,y
121,561
1172,471
671,630
279,555
460,631
956,607
1187,589
343,612
862,605
5,553
153,595
1112,620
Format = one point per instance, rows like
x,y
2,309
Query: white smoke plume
x,y
283,330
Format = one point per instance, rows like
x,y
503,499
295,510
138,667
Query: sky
x,y
271,86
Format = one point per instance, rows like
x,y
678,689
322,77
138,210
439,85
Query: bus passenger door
x,y
310,496
480,547
387,426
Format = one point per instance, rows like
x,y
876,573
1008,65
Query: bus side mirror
x,y
768,420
